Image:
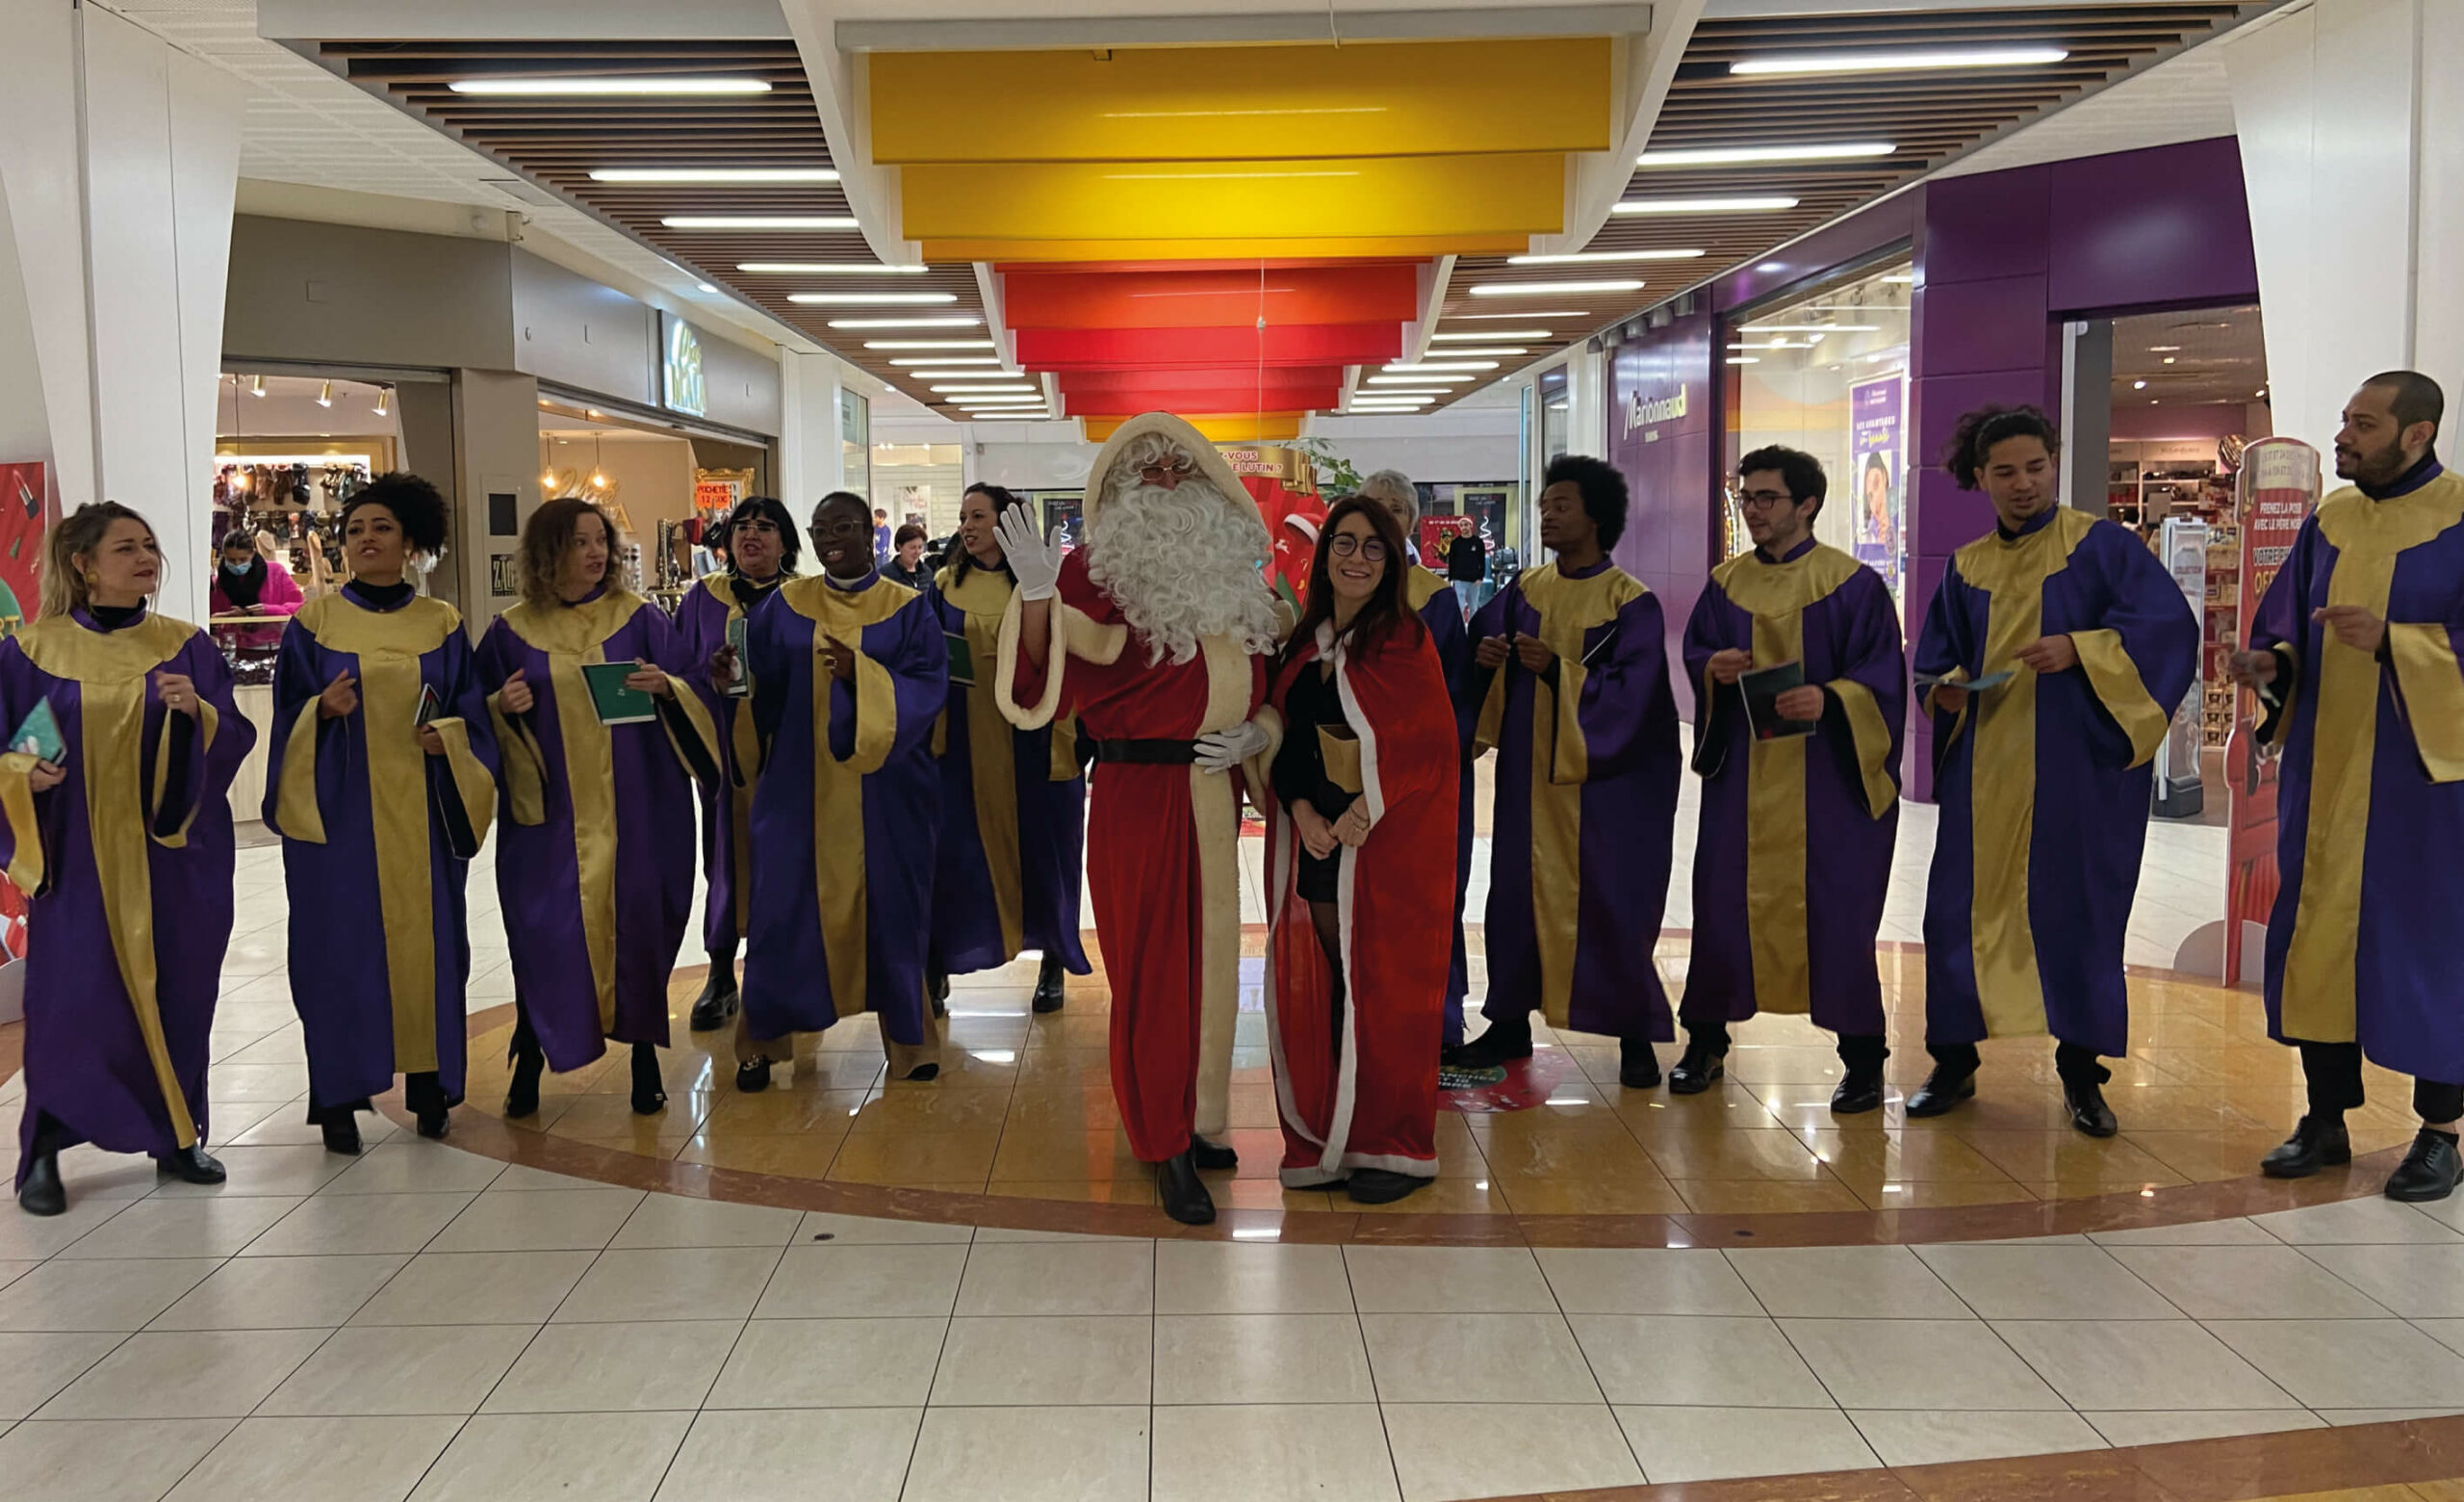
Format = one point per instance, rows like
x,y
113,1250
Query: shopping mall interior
x,y
256,253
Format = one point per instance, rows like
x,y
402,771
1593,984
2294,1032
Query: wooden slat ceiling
x,y
558,141
1928,116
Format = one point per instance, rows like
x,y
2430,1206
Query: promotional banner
x,y
2277,490
2179,793
23,520
1877,426
1437,533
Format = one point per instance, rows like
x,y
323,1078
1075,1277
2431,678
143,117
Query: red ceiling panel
x,y
1201,378
1129,403
1295,344
1197,299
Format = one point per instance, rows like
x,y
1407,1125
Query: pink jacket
x,y
280,596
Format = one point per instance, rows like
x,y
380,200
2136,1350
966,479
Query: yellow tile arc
x,y
1323,248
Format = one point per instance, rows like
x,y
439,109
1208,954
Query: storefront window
x,y
854,441
921,483
1826,372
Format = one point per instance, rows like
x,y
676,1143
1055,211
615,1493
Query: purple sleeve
x,y
1443,616
1707,635
2149,613
297,680
1625,689
196,771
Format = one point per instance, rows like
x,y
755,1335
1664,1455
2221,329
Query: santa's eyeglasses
x,y
1344,546
1176,470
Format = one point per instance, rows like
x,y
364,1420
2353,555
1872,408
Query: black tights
x,y
2332,1071
1323,918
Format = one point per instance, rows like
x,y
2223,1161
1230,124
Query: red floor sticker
x,y
1527,1083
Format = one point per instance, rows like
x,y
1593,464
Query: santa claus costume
x,y
1154,635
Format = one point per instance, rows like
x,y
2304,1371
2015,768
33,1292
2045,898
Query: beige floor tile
x,y
414,1165
33,1237
2174,1426
188,1374
1250,1277
538,1458
401,1369
2000,1280
335,1225
319,1460
1476,1359
1041,1454
669,1220
1877,1283
1261,1359
1682,1444
1917,1363
816,1363
1443,1451
1059,1277
2271,1281
280,1293
522,1179
695,1283
1058,1359
1905,1438
2415,1281
1273,1453
773,1457
477,1288
33,1366
1727,1362
93,1461
539,1222
2347,1363
2368,1221
98,1295
1447,1279
1644,1281
2139,1364
608,1368
832,1282
820,1225
2342,1419
182,1227
290,1169
2233,1231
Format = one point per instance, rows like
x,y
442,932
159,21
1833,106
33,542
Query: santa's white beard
x,y
1183,564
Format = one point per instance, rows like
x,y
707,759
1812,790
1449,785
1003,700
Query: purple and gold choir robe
x,y
2073,746
377,838
1585,821
844,819
2369,794
1013,805
595,827
702,624
127,869
1432,597
1793,856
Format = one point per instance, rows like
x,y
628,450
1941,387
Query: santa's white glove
x,y
1221,750
1034,559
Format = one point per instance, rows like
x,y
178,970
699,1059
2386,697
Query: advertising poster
x,y
2279,489
23,519
2178,792
1438,533
1877,428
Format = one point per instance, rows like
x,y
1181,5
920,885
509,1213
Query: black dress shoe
x,y
2316,1143
1638,1065
192,1164
42,1192
1944,1088
1381,1185
718,1001
922,1073
1696,1069
937,991
1183,1193
342,1134
1503,1043
1860,1092
650,1091
522,1096
1049,981
2429,1171
434,1124
753,1079
1212,1155
2089,1112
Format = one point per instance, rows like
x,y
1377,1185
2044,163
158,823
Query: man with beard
x,y
2354,656
1154,635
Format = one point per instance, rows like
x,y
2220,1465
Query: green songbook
x,y
37,734
616,704
961,660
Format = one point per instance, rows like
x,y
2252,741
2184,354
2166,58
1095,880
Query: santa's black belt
x,y
1146,753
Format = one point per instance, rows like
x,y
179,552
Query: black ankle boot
x,y
1704,1061
1859,1092
42,1192
753,1078
650,1091
1183,1193
2429,1171
1212,1155
1381,1185
522,1096
1049,981
1507,1039
2318,1142
2089,1112
423,1093
192,1164
718,1000
1638,1064
341,1133
1946,1087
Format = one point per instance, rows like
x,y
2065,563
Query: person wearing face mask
x,y
246,585
2081,646
381,781
594,868
1360,836
121,842
1014,801
759,541
2353,657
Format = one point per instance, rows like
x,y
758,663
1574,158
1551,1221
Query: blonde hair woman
x,y
117,829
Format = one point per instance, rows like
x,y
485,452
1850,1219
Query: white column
x,y
810,462
2351,115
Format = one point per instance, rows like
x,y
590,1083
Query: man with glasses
x,y
1794,650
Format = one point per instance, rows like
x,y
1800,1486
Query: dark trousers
x,y
2332,1071
1857,1053
2075,1062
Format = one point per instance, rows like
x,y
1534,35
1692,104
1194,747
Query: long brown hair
x,y
1383,615
547,537
81,531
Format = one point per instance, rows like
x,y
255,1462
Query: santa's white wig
x,y
1181,561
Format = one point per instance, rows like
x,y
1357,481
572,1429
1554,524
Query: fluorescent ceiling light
x,y
1452,368
672,84
1773,344
823,269
1902,278
962,375
705,287
1593,257
1736,205
1897,62
968,321
869,299
2139,385
1502,350
1720,156
1493,333
1473,318
1405,390
943,359
926,344
1745,359
1418,381
1403,399
758,222
968,390
2162,349
1554,288
1812,329
744,175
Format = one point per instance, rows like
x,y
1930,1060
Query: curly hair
x,y
1972,441
415,503
1605,497
547,537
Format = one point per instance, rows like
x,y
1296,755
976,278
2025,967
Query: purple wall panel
x,y
2147,229
1661,395
1991,225
1983,326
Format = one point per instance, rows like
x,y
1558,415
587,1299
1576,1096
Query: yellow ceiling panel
x,y
1233,428
1412,248
1167,104
1365,197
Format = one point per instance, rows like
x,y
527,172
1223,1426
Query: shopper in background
x,y
2082,646
760,541
2354,656
120,837
1393,490
1360,826
906,567
849,675
1571,673
882,545
595,866
381,779
246,584
1013,802
1794,853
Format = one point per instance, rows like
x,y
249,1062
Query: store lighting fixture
x,y
1811,328
674,84
1743,204
1450,368
1745,359
968,389
1406,392
384,401
1750,156
1902,278
945,359
547,480
1930,58
1554,288
926,344
1418,381
964,374
1773,344
967,322
2162,349
758,222
739,177
325,395
1492,333
1596,257
1500,350
2168,359
825,269
702,286
2139,385
869,299
256,385
1473,318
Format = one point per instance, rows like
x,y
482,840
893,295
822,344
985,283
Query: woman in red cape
x,y
1360,871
